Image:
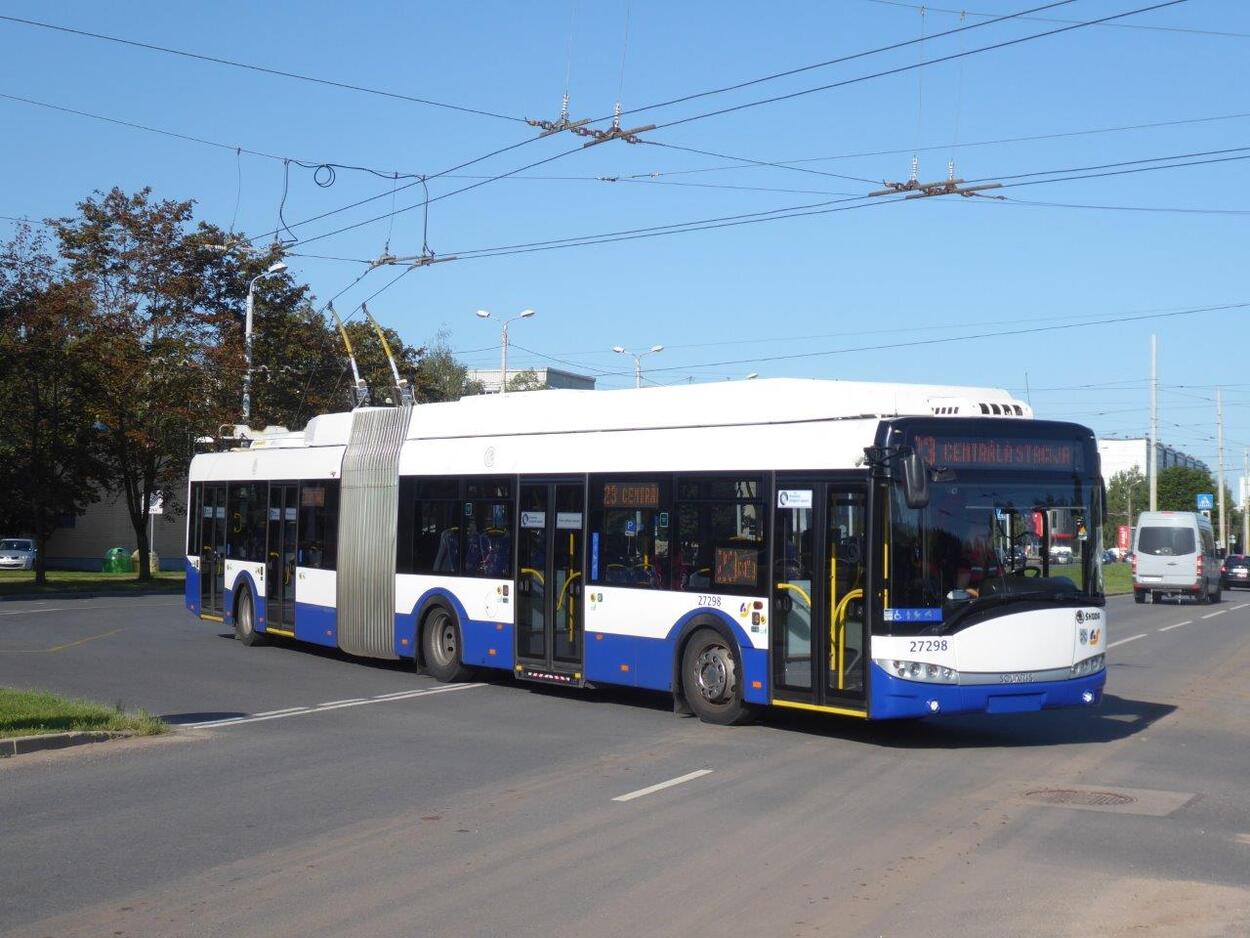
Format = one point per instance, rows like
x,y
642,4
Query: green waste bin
x,y
117,560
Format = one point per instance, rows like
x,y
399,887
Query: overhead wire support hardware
x,y
926,190
614,133
412,260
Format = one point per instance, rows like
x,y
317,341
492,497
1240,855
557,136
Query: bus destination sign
x,y
990,452
631,495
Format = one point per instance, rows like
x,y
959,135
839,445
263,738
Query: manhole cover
x,y
1085,799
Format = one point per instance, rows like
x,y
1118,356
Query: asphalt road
x,y
501,809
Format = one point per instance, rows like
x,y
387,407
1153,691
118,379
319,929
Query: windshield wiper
x,y
1000,599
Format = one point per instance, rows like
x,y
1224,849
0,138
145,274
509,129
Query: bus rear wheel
x,y
245,620
440,640
711,679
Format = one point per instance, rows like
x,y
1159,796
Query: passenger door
x,y
819,630
212,550
549,618
280,557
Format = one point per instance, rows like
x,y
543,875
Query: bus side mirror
x,y
915,480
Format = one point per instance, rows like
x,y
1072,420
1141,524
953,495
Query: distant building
x,y
81,542
547,377
1122,455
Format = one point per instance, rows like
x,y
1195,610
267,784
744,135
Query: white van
x,y
1174,553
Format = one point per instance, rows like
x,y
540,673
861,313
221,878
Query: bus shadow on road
x,y
1115,718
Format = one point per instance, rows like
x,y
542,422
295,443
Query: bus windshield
x,y
983,545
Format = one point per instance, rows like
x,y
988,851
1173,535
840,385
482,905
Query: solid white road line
x,y
1124,641
1168,628
1212,615
301,711
650,789
335,703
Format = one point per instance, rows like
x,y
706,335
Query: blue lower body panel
x,y
486,644
893,698
650,662
191,589
316,624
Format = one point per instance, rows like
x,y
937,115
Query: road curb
x,y
21,745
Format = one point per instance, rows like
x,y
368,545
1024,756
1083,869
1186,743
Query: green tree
x,y
1179,487
526,380
1128,494
440,375
50,448
164,312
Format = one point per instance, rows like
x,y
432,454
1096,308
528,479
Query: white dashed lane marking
x,y
1212,615
1168,628
1125,641
652,789
332,705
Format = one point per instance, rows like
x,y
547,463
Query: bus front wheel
x,y
711,679
441,643
245,620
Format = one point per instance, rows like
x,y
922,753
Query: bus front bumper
x,y
894,698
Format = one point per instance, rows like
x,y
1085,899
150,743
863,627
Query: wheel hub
x,y
717,679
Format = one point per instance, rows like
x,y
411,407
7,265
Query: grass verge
x,y
32,712
1117,578
22,582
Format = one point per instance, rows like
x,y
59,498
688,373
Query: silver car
x,y
17,553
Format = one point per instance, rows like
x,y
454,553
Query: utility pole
x,y
1245,502
1219,447
1152,459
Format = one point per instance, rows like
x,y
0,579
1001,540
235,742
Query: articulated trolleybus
x,y
872,550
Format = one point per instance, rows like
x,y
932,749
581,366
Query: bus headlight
x,y
1088,666
918,671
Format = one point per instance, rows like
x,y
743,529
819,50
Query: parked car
x,y
1174,555
1060,553
1235,571
17,553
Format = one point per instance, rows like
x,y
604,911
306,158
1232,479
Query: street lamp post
x,y
247,337
503,345
620,350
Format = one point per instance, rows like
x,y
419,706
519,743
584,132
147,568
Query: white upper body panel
x,y
780,423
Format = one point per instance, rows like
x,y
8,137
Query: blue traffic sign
x,y
1206,501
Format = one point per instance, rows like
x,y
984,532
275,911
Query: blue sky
x,y
874,276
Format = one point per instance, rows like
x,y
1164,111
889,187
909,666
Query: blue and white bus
x,y
871,550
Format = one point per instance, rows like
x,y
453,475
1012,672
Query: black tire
x,y
1139,596
1218,596
711,680
440,645
245,619
1203,596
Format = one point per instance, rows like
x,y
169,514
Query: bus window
x,y
318,524
488,528
631,527
720,536
245,531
